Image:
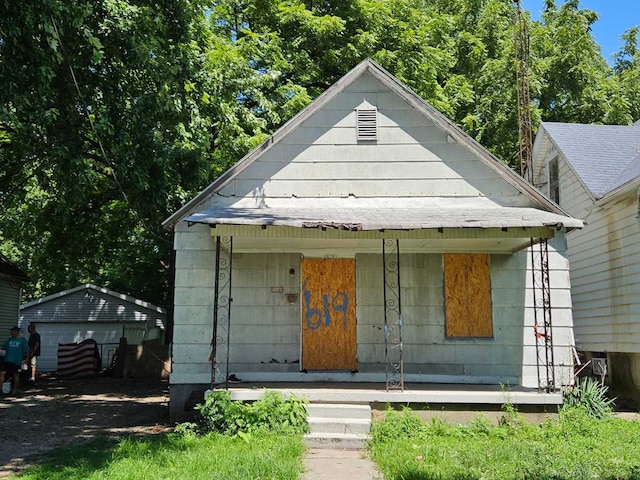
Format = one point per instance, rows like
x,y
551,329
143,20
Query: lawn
x,y
174,456
575,446
263,440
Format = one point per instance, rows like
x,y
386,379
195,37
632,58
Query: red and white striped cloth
x,y
78,360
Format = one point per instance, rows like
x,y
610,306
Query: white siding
x,y
321,157
266,328
605,276
411,158
605,267
193,302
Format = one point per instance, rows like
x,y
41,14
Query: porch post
x,y
221,313
542,325
392,315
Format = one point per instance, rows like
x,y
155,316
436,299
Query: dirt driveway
x,y
63,412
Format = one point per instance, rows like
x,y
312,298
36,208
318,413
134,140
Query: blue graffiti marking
x,y
339,304
311,312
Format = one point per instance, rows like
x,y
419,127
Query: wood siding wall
x,y
265,331
605,268
411,158
605,273
9,305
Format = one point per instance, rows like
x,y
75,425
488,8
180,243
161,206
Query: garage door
x,y
106,335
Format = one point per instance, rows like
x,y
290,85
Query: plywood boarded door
x,y
329,314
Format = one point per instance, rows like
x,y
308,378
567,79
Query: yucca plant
x,y
590,395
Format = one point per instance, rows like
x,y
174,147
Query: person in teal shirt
x,y
16,351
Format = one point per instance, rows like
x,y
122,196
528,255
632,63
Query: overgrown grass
x,y
231,440
174,456
575,446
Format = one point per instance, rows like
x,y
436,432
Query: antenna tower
x,y
521,48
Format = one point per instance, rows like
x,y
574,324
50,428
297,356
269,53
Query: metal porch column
x,y
221,313
542,325
392,315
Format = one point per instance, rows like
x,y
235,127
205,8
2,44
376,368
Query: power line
x,y
93,128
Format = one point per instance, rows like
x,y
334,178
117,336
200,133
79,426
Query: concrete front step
x,y
339,425
339,410
343,441
344,426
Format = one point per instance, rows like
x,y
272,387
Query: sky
x,y
616,16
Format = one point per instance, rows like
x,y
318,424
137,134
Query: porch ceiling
x,y
322,247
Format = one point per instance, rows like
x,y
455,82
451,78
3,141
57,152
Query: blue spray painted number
x,y
314,317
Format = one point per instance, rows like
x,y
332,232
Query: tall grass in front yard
x,y
231,441
575,446
174,456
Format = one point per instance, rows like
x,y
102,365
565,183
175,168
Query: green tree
x,y
103,131
114,113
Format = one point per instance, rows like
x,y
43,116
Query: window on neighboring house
x,y
467,288
554,180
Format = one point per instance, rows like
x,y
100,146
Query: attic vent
x,y
367,123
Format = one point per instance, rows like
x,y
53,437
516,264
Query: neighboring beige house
x,y
371,240
593,172
91,312
12,280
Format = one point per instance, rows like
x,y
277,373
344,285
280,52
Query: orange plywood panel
x,y
329,314
467,288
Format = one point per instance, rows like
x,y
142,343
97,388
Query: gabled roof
x,y
89,286
422,218
10,270
604,157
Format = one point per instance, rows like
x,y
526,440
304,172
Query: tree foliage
x,y
114,113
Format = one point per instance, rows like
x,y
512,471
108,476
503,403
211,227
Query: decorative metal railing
x,y
221,313
392,315
542,325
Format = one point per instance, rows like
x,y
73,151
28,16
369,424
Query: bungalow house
x,y
593,172
370,240
12,280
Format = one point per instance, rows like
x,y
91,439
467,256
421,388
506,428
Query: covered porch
x,y
397,369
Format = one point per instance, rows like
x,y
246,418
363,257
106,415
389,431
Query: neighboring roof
x,y
89,286
604,157
355,215
9,269
298,217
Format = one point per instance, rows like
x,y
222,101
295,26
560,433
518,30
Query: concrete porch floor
x,y
440,394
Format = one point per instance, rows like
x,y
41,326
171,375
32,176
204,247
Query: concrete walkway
x,y
332,464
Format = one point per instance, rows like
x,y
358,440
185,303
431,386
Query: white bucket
x,y
6,387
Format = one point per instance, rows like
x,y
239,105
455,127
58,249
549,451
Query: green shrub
x,y
590,395
272,412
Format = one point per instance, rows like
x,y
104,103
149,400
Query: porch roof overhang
x,y
320,227
384,218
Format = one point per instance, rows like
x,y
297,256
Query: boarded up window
x,y
467,289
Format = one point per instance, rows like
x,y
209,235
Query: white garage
x,y
91,312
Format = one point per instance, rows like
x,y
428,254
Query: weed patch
x,y
272,412
574,446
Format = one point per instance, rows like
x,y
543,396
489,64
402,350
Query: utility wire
x,y
93,128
